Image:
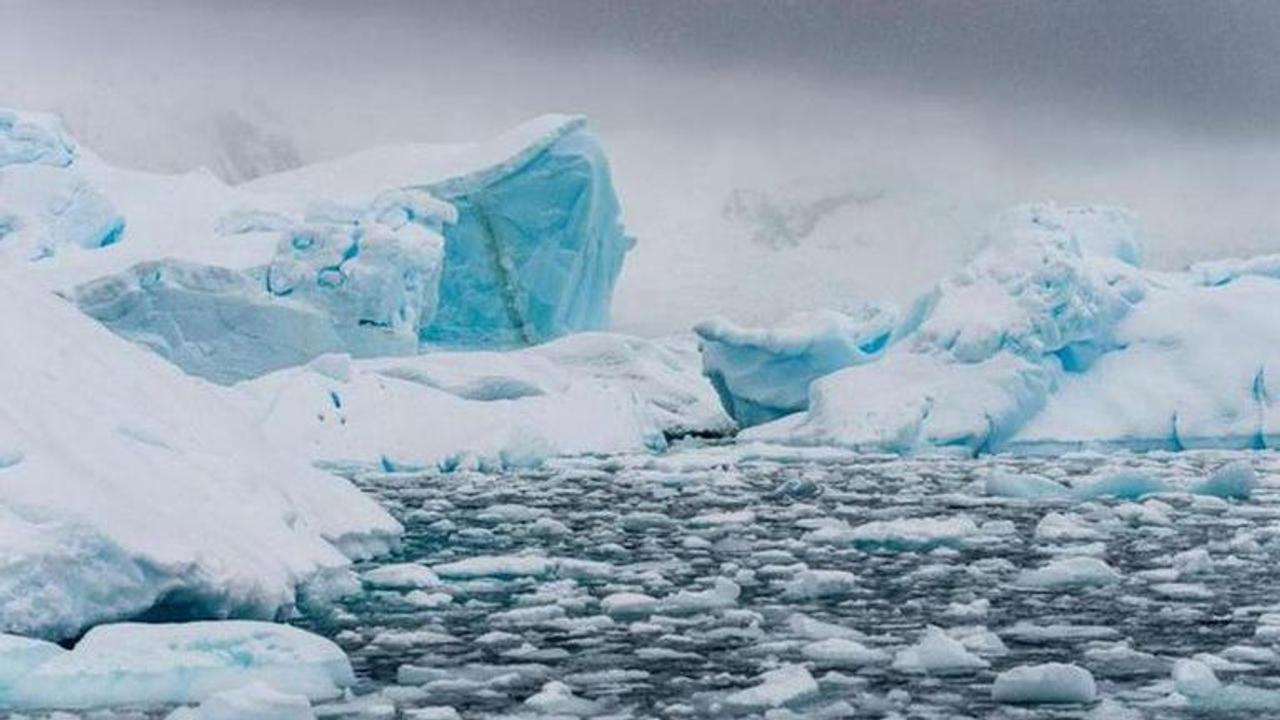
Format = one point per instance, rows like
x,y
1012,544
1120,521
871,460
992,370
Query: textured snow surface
x,y
139,664
587,393
130,487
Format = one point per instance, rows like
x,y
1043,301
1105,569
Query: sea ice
x,y
1050,683
1071,572
255,701
783,686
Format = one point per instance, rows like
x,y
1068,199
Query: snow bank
x,y
587,393
139,664
130,488
762,374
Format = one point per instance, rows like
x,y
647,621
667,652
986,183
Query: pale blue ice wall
x,y
535,252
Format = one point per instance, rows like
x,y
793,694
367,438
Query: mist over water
x,y
733,127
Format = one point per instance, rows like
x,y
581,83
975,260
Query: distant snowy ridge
x,y
1052,338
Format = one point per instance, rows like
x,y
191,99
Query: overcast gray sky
x,y
950,109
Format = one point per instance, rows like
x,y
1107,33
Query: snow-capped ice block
x,y
157,664
536,249
1197,369
762,374
1050,683
46,202
134,490
586,393
255,701
909,401
981,354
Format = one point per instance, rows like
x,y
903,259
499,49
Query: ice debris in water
x,y
254,701
1071,572
556,698
763,374
776,688
936,653
1198,683
1030,487
1050,683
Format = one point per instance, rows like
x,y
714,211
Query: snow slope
x,y
129,488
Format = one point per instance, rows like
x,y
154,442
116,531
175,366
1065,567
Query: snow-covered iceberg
x,y
1053,339
505,243
586,393
762,374
129,489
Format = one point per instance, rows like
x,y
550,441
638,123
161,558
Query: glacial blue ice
x,y
46,202
535,251
763,374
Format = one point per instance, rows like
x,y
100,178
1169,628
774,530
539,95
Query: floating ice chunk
x,y
1071,572
255,701
1190,563
980,640
1057,526
810,584
1119,660
556,698
1235,481
783,686
1197,682
137,664
1125,485
405,639
914,533
763,374
844,653
437,712
401,576
496,566
1029,487
722,594
814,629
628,605
936,653
1025,631
1050,683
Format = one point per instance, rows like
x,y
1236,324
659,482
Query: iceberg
x,y
586,393
131,490
762,374
501,244
138,664
1053,339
